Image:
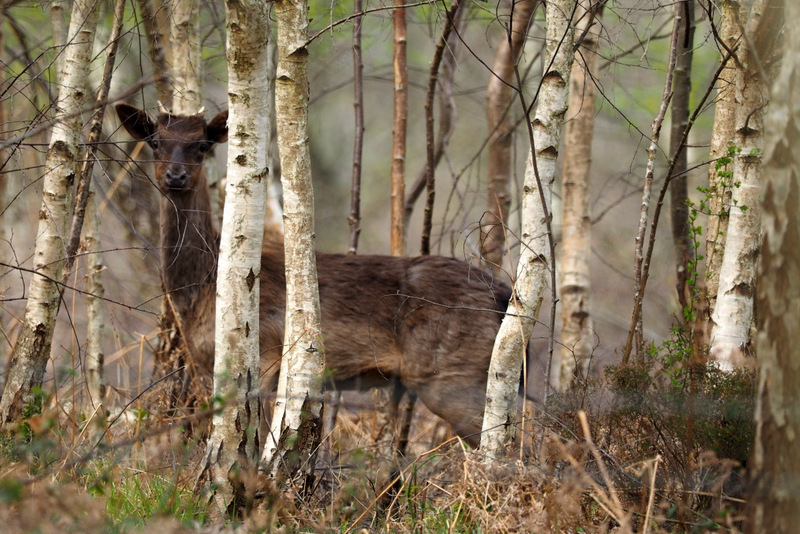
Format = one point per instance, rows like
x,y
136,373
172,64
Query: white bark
x,y
233,446
95,315
577,331
187,70
273,221
32,349
721,139
297,418
499,423
58,23
733,313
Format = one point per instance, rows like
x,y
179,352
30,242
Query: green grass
x,y
134,497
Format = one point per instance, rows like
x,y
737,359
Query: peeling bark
x,y
733,313
32,349
234,445
577,330
533,275
297,419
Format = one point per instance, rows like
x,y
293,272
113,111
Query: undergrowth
x,y
680,425
662,442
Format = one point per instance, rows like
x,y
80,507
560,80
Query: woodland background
x,y
697,489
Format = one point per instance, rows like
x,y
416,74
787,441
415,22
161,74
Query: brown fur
x,y
429,322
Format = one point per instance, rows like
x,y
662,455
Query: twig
x,y
649,516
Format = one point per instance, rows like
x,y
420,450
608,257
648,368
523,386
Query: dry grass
x,y
591,461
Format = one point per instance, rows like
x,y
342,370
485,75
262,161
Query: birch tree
x,y
32,349
733,312
719,185
773,503
297,418
577,330
186,69
95,314
87,218
499,423
233,447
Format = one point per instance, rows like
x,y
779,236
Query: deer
x,y
426,322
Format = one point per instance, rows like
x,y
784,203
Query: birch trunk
x,y
233,446
577,330
32,348
733,313
58,22
95,315
187,80
499,423
719,183
773,500
501,129
297,418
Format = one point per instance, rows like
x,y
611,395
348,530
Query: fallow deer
x,y
429,322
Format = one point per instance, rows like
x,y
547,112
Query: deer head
x,y
180,144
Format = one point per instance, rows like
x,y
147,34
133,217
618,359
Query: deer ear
x,y
218,128
136,122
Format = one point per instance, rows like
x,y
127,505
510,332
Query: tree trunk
x,y
95,315
154,24
58,22
719,172
679,210
32,349
773,501
533,270
577,330
233,447
733,313
501,129
398,235
297,419
187,79
358,141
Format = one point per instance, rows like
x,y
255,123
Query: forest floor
x,y
638,451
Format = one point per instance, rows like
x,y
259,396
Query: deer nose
x,y
176,177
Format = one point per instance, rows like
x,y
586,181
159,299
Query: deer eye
x,y
153,143
205,146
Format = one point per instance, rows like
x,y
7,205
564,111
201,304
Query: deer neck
x,y
190,245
